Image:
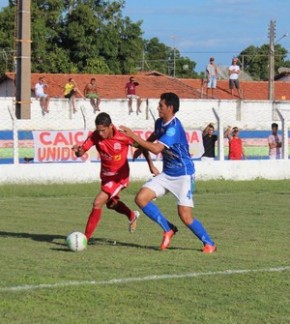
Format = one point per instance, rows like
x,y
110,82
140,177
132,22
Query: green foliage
x,y
256,60
249,221
84,36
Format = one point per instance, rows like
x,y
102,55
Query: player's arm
x,y
151,165
154,148
141,150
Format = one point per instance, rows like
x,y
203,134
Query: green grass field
x,y
246,281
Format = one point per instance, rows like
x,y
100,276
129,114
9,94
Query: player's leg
x,y
121,208
113,189
144,197
96,213
185,208
196,227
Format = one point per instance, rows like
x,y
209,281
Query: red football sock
x,y
121,208
92,222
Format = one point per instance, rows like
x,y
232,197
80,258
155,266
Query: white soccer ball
x,y
77,241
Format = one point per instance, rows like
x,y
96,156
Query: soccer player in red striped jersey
x,y
112,146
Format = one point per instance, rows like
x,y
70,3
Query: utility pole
x,y
23,60
174,56
271,90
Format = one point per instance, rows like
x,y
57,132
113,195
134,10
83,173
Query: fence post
x,y
284,135
15,137
221,152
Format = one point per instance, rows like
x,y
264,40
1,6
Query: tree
x,y
7,45
157,56
256,60
91,36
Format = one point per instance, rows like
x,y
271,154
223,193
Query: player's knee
x,y
112,203
97,204
140,201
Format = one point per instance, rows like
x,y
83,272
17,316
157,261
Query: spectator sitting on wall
x,y
41,95
91,92
70,91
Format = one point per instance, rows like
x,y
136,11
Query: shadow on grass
x,y
50,238
105,241
36,237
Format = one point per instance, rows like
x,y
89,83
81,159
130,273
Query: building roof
x,y
152,84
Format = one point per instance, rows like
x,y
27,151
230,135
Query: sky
x,y
200,29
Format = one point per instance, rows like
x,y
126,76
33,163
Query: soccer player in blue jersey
x,y
177,176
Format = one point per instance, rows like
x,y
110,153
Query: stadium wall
x,y
195,114
89,172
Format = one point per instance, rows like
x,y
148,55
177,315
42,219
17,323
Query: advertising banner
x,y
55,146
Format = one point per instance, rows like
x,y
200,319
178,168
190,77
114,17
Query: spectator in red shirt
x,y
130,89
236,150
112,146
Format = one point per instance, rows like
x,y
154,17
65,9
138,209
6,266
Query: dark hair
x,y
93,79
171,99
274,125
131,78
103,119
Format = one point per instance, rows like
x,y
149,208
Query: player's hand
x,y
154,170
126,130
78,150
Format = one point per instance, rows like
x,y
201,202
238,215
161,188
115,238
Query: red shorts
x,y
113,186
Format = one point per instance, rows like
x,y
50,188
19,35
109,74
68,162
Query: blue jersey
x,y
176,157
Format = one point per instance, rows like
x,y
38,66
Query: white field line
x,y
140,279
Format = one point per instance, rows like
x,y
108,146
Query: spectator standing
x,y
177,177
70,91
234,73
211,75
236,150
41,95
275,143
91,92
209,139
131,94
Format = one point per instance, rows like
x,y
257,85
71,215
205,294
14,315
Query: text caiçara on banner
x,y
55,146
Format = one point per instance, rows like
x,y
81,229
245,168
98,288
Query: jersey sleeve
x,y
170,137
89,142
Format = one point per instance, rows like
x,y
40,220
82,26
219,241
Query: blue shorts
x,y
212,82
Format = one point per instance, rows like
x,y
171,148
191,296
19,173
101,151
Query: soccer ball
x,y
77,241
